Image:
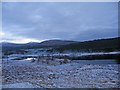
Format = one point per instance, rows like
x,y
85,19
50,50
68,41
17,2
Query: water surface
x,y
108,61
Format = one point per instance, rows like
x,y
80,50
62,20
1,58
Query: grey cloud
x,y
73,21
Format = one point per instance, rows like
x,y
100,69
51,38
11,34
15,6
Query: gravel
x,y
23,73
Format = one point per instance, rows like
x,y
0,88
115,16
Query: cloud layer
x,y
24,22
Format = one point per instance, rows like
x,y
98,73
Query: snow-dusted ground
x,y
23,73
85,53
20,85
62,54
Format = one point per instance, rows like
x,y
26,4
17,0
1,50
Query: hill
x,y
111,44
32,45
57,42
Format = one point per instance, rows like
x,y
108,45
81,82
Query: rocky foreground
x,y
25,74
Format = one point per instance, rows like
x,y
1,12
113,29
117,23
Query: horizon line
x,y
57,39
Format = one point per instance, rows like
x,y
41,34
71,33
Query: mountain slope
x,y
56,42
48,43
110,44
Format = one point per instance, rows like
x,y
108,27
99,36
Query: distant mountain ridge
x,y
47,43
62,45
56,42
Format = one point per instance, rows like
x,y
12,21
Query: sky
x,y
24,22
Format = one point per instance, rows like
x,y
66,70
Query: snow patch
x,y
19,85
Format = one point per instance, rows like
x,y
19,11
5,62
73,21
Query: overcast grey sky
x,y
38,21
